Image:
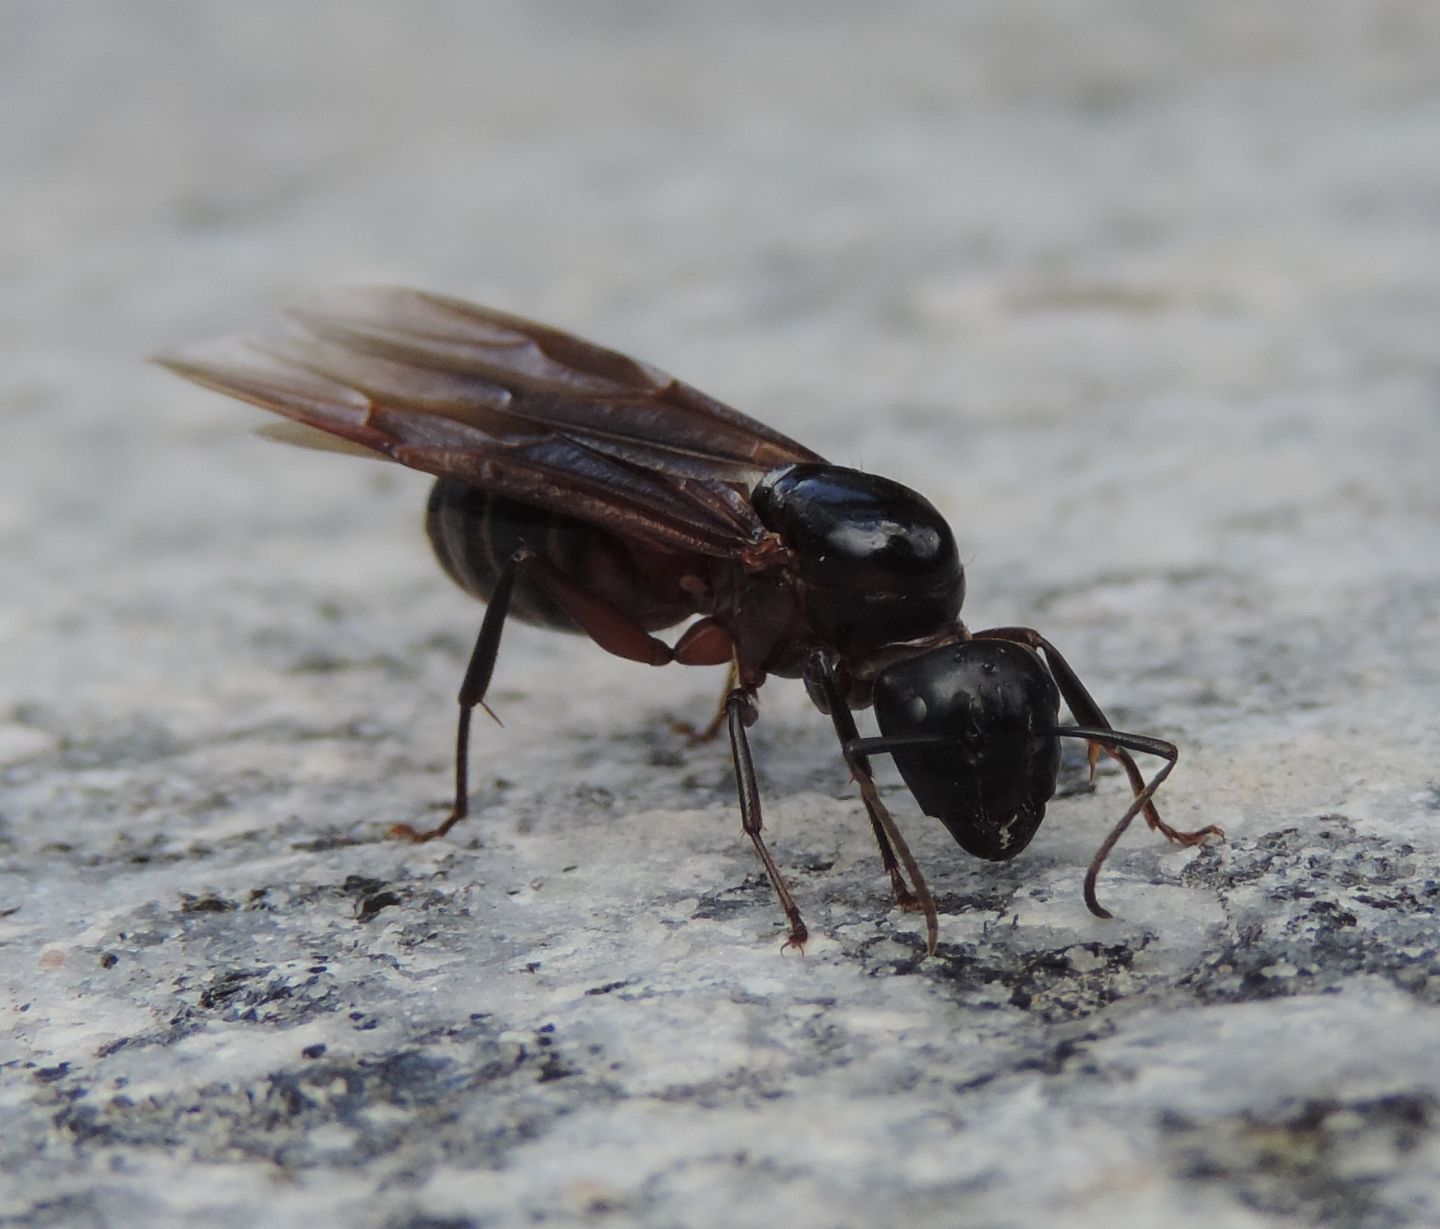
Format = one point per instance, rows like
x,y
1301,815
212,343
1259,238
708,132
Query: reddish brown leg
x,y
1105,737
741,712
605,625
821,675
1113,742
1088,713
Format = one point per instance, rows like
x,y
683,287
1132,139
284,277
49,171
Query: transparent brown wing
x,y
515,407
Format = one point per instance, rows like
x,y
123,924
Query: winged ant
x,y
580,490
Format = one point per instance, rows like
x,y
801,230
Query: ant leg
x,y
472,693
1095,727
1115,742
826,694
741,712
610,629
887,833
1088,713
1112,740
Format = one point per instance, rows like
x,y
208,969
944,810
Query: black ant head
x,y
985,755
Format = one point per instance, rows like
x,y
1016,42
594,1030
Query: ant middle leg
x,y
740,711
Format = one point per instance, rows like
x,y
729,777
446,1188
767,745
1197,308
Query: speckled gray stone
x,y
1142,294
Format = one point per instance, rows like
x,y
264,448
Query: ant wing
x,y
511,406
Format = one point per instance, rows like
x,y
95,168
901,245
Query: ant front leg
x,y
820,676
1088,713
611,630
741,712
1095,727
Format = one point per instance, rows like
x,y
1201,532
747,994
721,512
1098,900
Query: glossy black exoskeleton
x,y
582,491
875,564
993,713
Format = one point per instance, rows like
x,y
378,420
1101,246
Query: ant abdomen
x,y
474,532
